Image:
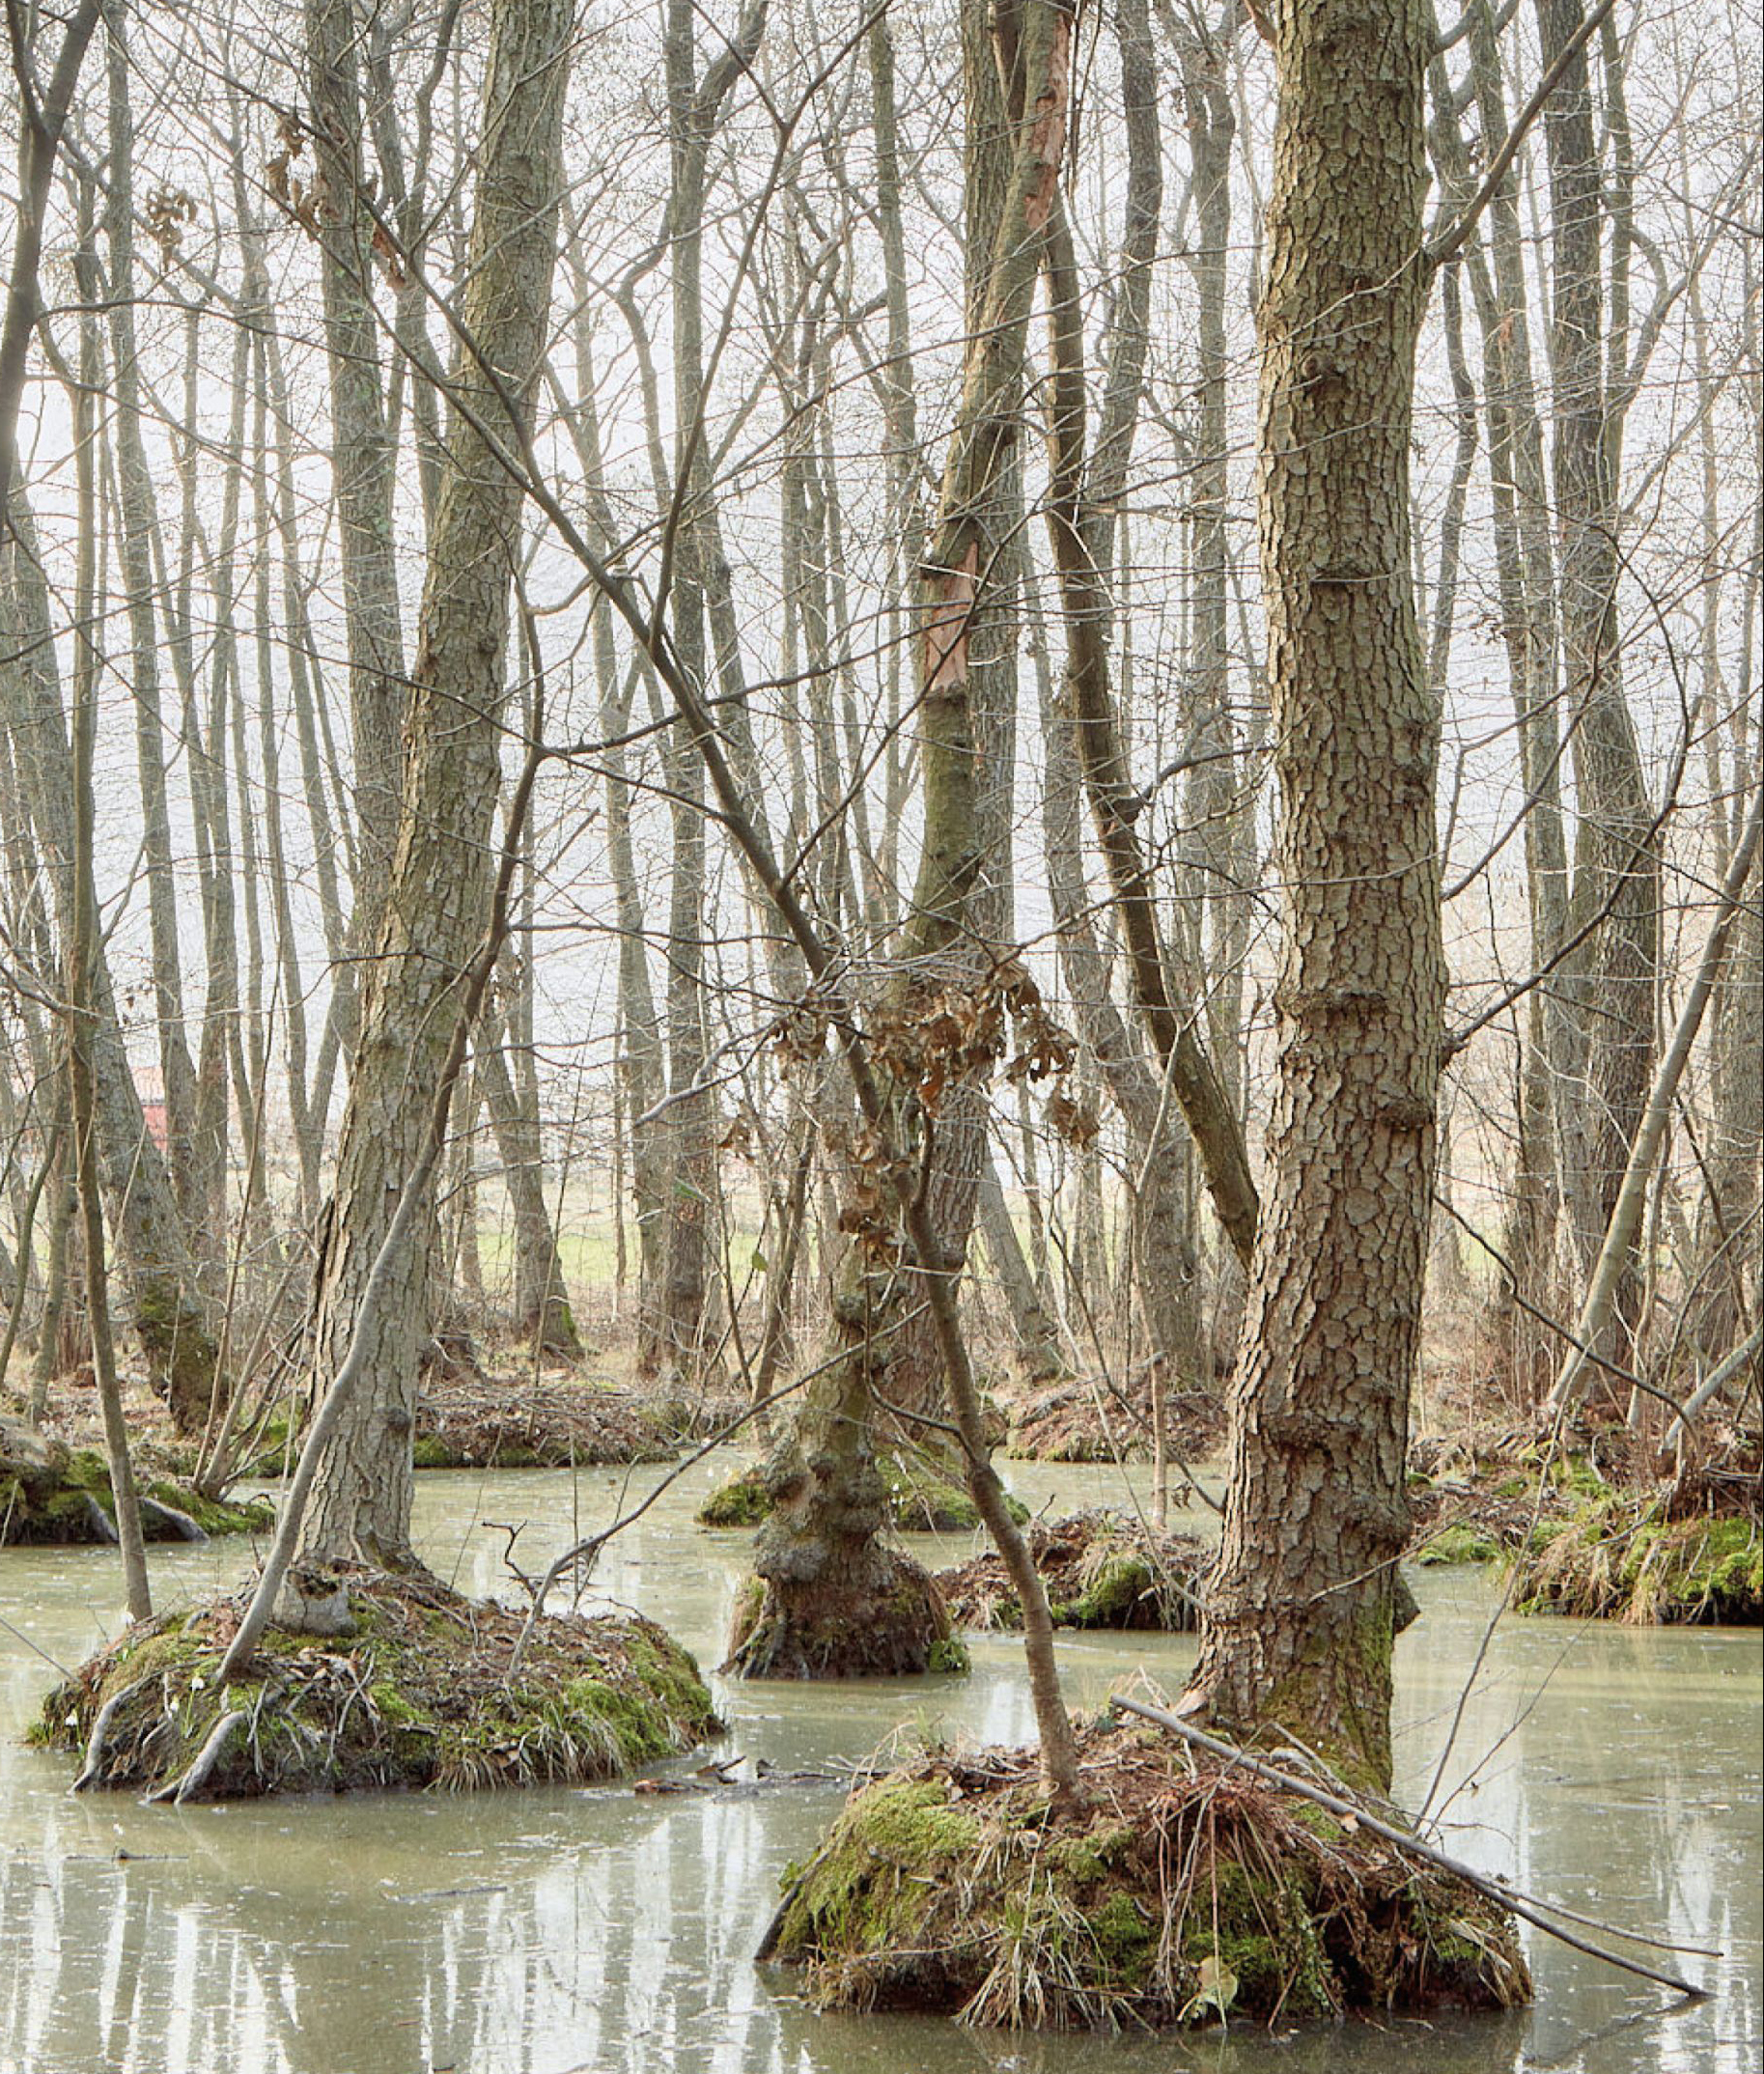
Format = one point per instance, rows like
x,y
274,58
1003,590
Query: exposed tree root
x,y
1180,1891
1101,1569
891,1623
416,1695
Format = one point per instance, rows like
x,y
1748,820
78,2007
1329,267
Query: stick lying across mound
x,y
1176,1891
1101,1569
411,1689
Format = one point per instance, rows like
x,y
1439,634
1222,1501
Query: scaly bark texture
x,y
439,894
1305,1601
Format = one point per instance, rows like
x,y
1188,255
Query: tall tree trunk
x,y
832,1598
1303,1603
1611,980
363,460
165,1305
438,893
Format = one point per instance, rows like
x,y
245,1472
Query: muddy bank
x,y
415,1693
55,1495
1090,1420
1102,1570
467,1421
1179,1894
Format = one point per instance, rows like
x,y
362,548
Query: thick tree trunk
x,y
1305,1603
439,894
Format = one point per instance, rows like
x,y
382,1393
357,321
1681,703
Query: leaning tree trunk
x,y
1304,1600
439,894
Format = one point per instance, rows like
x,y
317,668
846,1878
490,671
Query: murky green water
x,y
547,1932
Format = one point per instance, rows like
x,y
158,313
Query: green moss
x,y
960,1885
1459,1544
594,1698
923,1501
949,1653
1617,1560
430,1452
745,1501
1116,1589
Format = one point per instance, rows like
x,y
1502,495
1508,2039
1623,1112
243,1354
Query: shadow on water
x,y
556,1932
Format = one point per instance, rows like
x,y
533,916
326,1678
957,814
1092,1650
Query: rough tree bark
x,y
830,1597
1303,1603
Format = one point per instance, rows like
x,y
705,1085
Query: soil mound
x,y
1102,1570
1182,1891
415,1691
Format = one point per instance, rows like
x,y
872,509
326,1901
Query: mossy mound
x,y
55,1495
920,1501
1178,1893
1096,1421
1102,1570
416,1695
1624,1557
743,1500
513,1422
1466,1510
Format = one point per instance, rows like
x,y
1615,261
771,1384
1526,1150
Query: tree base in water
x,y
920,1501
54,1496
1180,1893
1100,1569
415,1693
893,1624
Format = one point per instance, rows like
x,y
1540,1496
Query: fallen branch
x,y
1527,1906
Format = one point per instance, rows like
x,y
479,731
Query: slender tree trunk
x,y
1612,979
438,893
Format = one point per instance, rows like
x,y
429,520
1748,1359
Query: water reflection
x,y
557,1931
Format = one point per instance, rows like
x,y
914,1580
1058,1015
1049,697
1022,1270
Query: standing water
x,y
561,1931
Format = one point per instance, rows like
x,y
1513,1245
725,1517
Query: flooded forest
x,y
882,1037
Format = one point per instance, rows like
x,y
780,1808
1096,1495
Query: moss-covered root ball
x,y
415,1694
1176,1893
